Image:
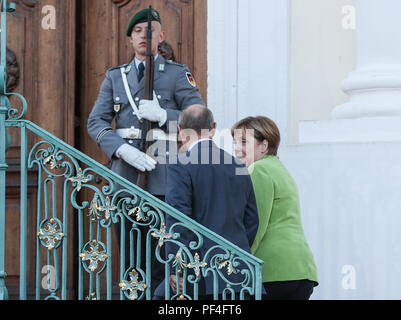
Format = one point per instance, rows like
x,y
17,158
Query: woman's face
x,y
248,149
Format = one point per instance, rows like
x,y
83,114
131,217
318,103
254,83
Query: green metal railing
x,y
63,173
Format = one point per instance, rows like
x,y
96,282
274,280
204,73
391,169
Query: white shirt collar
x,y
196,142
138,62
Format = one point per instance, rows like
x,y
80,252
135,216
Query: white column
x,y
374,87
373,113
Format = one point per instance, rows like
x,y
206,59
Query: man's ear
x,y
162,36
213,131
181,134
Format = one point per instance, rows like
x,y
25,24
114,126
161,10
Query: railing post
x,y
4,108
3,164
23,213
3,168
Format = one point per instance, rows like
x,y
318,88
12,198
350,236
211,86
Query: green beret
x,y
142,16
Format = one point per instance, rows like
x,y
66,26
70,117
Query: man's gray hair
x,y
197,118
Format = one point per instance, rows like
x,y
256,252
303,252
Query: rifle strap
x,y
128,92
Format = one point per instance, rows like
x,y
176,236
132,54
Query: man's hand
x,y
136,158
173,283
151,110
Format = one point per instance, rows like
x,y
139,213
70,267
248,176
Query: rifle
x,y
142,180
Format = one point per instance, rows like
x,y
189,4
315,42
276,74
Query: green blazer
x,y
280,240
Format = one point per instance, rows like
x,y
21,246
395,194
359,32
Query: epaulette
x,y
175,63
119,67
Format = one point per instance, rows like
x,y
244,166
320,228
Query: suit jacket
x,y
175,92
213,194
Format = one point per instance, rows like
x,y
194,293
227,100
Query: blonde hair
x,y
263,128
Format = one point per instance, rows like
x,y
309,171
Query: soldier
x,y
174,89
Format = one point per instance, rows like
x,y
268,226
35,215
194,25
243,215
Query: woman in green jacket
x,y
289,271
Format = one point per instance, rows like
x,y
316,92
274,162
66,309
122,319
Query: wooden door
x,y
46,71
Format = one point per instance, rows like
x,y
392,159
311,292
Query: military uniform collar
x,y
137,62
132,75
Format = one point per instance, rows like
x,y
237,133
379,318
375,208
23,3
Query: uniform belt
x,y
130,133
136,134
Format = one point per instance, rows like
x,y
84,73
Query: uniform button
x,y
131,141
137,99
117,98
159,97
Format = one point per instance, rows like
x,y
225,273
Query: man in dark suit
x,y
204,184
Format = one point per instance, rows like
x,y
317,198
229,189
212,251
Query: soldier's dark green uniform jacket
x,y
175,91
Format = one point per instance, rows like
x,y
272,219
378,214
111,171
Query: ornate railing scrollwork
x,y
79,180
51,234
232,272
162,235
141,219
197,265
94,252
64,173
133,286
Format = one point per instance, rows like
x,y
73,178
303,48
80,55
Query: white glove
x,y
136,158
151,110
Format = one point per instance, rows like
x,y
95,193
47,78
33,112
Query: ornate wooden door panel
x,y
46,65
